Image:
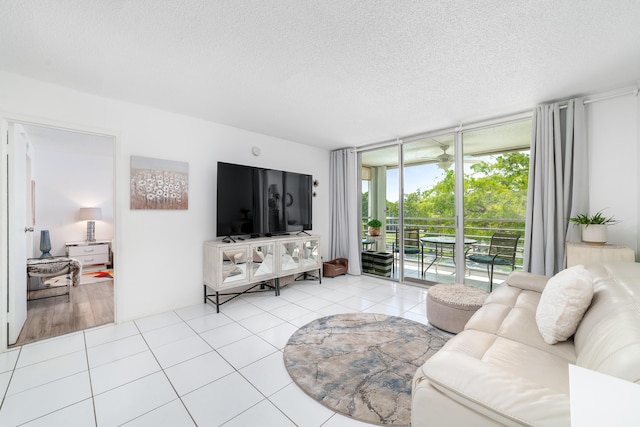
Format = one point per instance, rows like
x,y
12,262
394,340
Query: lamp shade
x,y
90,214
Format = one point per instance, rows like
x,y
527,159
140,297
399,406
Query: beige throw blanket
x,y
50,267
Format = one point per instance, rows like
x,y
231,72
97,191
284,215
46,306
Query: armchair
x,y
502,251
412,245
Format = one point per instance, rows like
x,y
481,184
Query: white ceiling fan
x,y
445,160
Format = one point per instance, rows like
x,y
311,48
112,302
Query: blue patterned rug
x,y
362,364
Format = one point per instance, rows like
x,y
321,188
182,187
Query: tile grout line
x,y
401,309
13,371
266,398
93,401
162,369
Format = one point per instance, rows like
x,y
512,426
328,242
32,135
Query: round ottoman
x,y
449,307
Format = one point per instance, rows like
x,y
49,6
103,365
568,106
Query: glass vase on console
x,y
45,244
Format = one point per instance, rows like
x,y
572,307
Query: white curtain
x,y
345,237
558,185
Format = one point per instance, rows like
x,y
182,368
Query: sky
x,y
420,177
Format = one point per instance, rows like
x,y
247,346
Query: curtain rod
x,y
605,97
484,123
390,143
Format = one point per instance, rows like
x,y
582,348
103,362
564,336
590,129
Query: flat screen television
x,y
258,201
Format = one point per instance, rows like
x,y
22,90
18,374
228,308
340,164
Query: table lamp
x,y
90,215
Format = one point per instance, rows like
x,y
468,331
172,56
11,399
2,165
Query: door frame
x,y
5,119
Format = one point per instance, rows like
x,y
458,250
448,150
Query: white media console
x,y
234,268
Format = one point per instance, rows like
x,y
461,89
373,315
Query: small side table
x,y
373,243
366,243
585,254
95,254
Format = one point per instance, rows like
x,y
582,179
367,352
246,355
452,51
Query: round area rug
x,y
361,364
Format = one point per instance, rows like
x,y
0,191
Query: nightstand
x,y
90,254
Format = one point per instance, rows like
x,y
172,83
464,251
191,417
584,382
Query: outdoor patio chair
x,y
412,245
502,251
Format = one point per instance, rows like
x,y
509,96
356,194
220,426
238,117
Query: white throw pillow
x,y
563,302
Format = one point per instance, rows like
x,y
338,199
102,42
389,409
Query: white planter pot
x,y
594,234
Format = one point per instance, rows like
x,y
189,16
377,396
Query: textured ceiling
x,y
331,73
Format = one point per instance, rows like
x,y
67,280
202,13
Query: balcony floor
x,y
476,275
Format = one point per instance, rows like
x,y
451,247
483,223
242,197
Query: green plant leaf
x,y
597,218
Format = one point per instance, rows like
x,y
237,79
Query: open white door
x,y
19,230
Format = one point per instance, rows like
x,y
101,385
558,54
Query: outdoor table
x,y
441,243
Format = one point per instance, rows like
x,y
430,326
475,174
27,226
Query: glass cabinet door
x,y
262,265
309,256
234,265
289,256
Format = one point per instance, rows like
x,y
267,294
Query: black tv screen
x,y
298,201
258,201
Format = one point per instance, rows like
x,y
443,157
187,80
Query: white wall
x,y
159,253
614,176
67,178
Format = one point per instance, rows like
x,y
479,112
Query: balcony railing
x,y
479,229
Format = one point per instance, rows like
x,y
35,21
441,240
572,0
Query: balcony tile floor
x,y
475,276
190,366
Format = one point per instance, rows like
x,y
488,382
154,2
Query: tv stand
x,y
277,233
256,265
302,232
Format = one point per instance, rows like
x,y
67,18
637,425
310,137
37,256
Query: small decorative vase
x,y
594,234
45,244
374,231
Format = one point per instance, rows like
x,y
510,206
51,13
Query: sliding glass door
x,y
428,211
442,197
409,188
495,200
380,190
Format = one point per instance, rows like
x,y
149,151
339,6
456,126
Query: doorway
x,y
66,170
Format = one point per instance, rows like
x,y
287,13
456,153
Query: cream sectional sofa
x,y
500,371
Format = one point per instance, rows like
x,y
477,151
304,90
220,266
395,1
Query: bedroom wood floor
x,y
90,305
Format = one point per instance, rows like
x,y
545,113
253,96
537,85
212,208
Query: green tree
x,y
392,209
365,205
496,190
499,189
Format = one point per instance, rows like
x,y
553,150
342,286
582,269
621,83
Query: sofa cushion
x,y
504,380
563,302
527,281
510,312
500,371
608,338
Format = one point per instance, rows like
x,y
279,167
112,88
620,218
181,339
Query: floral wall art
x,y
159,184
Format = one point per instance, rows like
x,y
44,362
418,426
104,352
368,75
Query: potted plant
x,y
374,227
594,227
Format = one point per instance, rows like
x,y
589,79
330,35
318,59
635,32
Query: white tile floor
x,y
190,366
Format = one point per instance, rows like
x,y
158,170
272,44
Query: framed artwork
x,y
159,184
